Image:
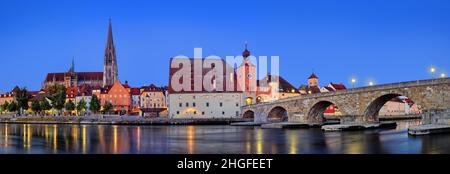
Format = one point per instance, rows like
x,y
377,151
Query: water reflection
x,y
53,138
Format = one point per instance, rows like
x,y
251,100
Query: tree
x,y
35,106
94,105
45,105
4,106
81,106
21,97
12,106
58,96
107,107
69,106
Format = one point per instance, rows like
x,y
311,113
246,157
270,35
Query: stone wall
x,y
360,104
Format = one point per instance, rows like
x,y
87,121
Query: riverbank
x,y
117,120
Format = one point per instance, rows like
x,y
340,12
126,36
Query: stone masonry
x,y
357,105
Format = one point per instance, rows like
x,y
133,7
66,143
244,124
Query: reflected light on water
x,y
75,135
83,140
293,142
190,139
138,146
259,141
6,135
115,141
248,145
55,135
26,136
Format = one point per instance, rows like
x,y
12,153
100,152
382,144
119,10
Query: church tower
x,y
313,80
110,72
246,78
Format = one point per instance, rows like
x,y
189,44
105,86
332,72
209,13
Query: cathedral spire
x,y
110,41
72,68
110,72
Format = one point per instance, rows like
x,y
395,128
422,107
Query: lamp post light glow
x,y
370,83
432,70
353,81
443,75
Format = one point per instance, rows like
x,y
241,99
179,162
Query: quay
x,y
286,125
117,120
246,123
428,129
354,126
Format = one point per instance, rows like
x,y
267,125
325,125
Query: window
x,y
195,112
193,104
203,113
223,112
187,104
207,104
237,104
237,113
181,105
220,104
178,112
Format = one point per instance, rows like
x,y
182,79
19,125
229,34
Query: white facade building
x,y
205,105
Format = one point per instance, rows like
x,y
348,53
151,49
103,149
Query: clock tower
x,y
246,78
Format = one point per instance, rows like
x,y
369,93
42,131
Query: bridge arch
x,y
277,114
316,112
249,114
371,113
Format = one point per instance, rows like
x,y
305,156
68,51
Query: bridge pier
x,y
433,121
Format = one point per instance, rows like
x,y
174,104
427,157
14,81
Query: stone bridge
x,y
356,105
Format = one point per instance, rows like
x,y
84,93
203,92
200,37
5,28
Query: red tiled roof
x,y
284,85
135,91
313,76
80,76
205,70
339,86
154,88
329,88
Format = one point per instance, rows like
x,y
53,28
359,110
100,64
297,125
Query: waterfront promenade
x,y
116,120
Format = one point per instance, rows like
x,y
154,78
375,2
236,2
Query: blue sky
x,y
383,40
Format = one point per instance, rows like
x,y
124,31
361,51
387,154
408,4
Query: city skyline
x,y
145,41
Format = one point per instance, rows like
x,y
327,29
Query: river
x,y
222,139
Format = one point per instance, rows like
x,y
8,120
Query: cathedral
x,y
71,78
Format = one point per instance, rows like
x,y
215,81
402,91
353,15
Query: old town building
x,y
203,103
117,94
135,94
276,88
8,96
312,87
153,101
71,78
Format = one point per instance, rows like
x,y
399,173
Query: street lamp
x,y
370,83
443,75
432,71
353,81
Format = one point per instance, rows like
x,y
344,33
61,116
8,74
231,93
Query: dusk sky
x,y
381,40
